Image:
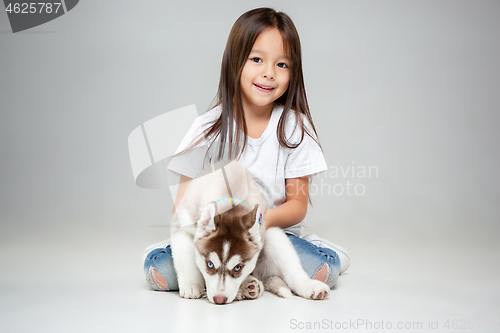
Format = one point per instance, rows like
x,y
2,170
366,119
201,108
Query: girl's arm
x,y
294,209
183,185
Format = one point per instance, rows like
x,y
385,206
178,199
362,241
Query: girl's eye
x,y
237,268
210,264
255,59
282,65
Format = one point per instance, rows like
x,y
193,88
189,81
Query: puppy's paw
x,y
251,288
254,288
314,289
191,291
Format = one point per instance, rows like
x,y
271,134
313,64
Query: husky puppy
x,y
219,241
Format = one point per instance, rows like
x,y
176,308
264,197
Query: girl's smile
x,y
266,73
264,88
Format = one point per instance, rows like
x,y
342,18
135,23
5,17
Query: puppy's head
x,y
227,246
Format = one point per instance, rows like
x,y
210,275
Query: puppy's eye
x,y
237,268
210,265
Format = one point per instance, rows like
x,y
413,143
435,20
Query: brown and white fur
x,y
224,247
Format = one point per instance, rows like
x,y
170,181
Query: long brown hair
x,y
242,37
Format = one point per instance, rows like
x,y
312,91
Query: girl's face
x,y
266,73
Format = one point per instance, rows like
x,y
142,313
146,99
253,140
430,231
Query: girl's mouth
x,y
263,88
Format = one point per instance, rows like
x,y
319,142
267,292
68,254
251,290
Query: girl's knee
x,y
326,274
159,270
329,269
323,274
156,280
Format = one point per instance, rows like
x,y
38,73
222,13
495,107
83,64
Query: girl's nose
x,y
268,74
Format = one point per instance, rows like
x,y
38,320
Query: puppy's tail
x,y
277,286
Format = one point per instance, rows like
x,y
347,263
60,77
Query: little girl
x,y
262,117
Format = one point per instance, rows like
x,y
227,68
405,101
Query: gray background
x,y
410,87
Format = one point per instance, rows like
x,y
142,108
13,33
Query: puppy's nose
x,y
220,299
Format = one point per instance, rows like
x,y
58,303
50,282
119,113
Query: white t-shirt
x,y
267,162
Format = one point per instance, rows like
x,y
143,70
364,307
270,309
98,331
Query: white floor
x,y
89,279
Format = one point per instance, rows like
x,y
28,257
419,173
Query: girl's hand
x,y
268,217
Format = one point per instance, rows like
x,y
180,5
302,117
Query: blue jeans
x,y
316,261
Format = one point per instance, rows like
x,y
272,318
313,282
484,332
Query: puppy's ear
x,y
250,219
208,221
253,221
